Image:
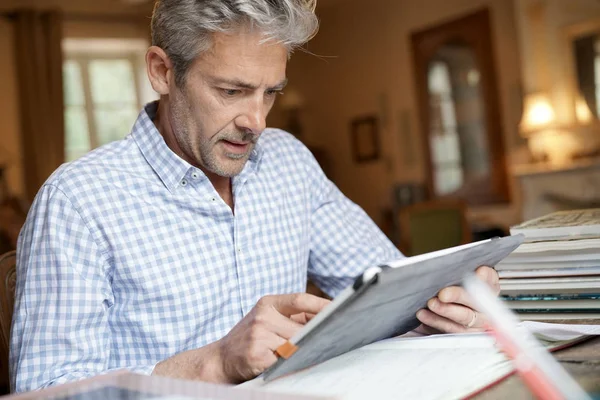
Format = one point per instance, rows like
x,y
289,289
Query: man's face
x,y
219,114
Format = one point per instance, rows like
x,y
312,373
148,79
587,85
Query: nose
x,y
253,117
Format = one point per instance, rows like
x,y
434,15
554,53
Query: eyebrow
x,y
249,86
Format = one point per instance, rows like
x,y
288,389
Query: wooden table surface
x,y
582,361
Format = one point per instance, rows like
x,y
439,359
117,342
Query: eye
x,y
230,92
273,92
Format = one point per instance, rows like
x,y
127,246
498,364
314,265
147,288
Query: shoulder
x,y
273,139
96,169
282,146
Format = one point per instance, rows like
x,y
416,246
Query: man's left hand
x,y
452,311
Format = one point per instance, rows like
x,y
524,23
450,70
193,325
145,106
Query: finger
x,y
462,315
489,276
302,318
274,341
439,323
427,330
277,323
455,294
309,316
263,355
299,318
290,304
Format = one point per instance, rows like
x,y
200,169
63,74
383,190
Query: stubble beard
x,y
206,151
209,153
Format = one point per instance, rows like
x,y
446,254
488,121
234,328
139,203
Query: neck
x,y
163,123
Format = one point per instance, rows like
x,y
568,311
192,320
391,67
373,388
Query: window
x,y
105,87
444,142
459,111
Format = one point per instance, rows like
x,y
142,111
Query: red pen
x,y
542,374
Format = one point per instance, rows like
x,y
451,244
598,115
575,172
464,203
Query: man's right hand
x,y
249,348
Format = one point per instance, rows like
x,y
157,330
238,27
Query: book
x,y
583,305
549,316
561,225
548,272
554,285
460,365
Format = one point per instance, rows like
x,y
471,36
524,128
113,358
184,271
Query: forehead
x,y
244,55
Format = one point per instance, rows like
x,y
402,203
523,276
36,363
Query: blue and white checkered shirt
x,y
129,255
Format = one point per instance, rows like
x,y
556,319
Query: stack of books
x,y
555,273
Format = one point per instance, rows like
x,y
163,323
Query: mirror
x,y
459,111
586,50
457,132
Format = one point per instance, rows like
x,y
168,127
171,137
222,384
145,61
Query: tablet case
x,y
384,304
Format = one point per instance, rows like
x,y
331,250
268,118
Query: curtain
x,y
38,37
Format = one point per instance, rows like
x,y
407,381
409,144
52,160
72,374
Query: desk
x,y
582,361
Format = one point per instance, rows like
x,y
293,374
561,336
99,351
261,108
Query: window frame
x,y
83,52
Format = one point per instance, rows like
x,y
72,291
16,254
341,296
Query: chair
x,y
8,278
433,225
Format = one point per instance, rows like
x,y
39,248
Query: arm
x,y
60,326
344,239
249,348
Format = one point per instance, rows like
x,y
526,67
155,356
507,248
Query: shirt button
x,y
195,175
183,182
239,250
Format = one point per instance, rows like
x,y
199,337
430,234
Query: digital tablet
x,y
383,302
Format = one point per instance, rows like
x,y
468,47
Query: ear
x,y
160,70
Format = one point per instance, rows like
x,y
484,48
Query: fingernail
x,y
433,303
420,314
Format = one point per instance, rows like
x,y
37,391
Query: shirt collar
x,y
171,168
168,166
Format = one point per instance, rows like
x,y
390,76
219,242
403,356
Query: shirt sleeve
x,y
60,329
344,240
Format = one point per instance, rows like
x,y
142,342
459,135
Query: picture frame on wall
x,y
364,133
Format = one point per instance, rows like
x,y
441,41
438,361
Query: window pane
x,y
447,179
113,124
73,84
77,140
112,81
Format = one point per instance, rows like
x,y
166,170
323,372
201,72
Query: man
x,y
183,250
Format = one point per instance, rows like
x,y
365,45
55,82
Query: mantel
x,y
545,188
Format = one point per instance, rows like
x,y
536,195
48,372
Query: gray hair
x,y
184,28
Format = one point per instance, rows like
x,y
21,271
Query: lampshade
x,y
538,113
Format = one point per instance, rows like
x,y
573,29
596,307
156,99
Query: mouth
x,y
236,147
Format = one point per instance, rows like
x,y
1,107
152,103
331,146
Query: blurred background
x,y
446,120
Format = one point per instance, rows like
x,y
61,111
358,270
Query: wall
x,y
10,142
365,66
547,54
83,18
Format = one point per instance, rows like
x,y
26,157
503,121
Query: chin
x,y
230,169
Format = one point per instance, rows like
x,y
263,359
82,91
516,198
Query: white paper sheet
x,y
428,367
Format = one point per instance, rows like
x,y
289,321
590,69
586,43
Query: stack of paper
x,y
427,367
555,273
